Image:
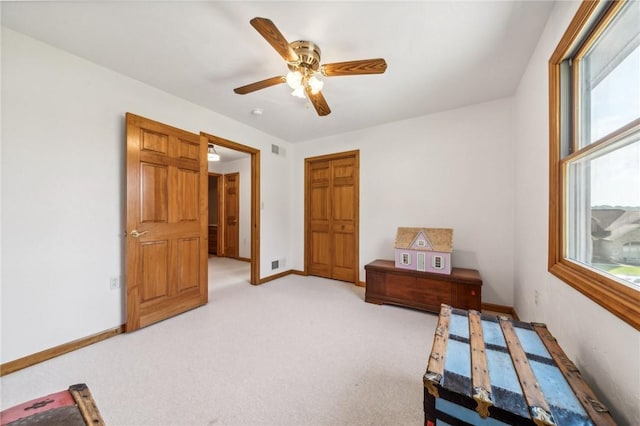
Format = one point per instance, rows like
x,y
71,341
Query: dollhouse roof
x,y
438,239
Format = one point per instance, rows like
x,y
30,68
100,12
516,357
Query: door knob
x,y
136,234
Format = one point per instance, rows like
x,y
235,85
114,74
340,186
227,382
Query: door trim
x,y
255,199
356,207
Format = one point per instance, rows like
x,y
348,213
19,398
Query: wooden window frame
x,y
617,298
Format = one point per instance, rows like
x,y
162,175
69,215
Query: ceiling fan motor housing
x,y
309,54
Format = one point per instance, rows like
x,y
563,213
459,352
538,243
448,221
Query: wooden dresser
x,y
422,290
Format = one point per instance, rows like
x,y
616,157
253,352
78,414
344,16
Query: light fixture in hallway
x,y
212,155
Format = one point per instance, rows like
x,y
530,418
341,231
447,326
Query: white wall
x,y
243,167
605,349
278,169
452,169
63,155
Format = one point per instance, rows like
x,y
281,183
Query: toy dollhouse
x,y
424,249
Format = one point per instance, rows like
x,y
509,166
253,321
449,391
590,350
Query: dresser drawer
x,y
419,290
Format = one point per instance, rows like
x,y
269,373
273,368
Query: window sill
x,y
620,300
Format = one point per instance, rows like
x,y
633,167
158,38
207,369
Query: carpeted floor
x,y
294,351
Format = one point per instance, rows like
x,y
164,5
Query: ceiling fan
x,y
303,60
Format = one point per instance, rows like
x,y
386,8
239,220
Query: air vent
x,y
275,149
275,264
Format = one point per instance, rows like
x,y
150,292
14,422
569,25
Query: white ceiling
x,y
440,54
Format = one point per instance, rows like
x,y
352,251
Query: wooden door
x,y
166,248
318,247
215,215
231,214
331,216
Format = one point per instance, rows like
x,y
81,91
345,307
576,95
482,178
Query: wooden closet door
x,y
332,216
343,219
166,219
319,219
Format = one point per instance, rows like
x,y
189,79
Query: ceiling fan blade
x,y
365,66
274,37
263,84
319,102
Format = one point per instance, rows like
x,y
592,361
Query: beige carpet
x,y
294,351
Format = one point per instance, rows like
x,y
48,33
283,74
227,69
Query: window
x,y
405,259
421,243
594,224
438,262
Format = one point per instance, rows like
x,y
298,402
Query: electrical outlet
x,y
114,283
536,297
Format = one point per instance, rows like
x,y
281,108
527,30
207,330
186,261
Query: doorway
x,y
254,204
332,216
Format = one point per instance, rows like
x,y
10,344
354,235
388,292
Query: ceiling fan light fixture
x,y
315,84
212,155
298,92
294,79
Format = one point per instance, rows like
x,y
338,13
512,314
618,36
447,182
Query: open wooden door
x,y
166,248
